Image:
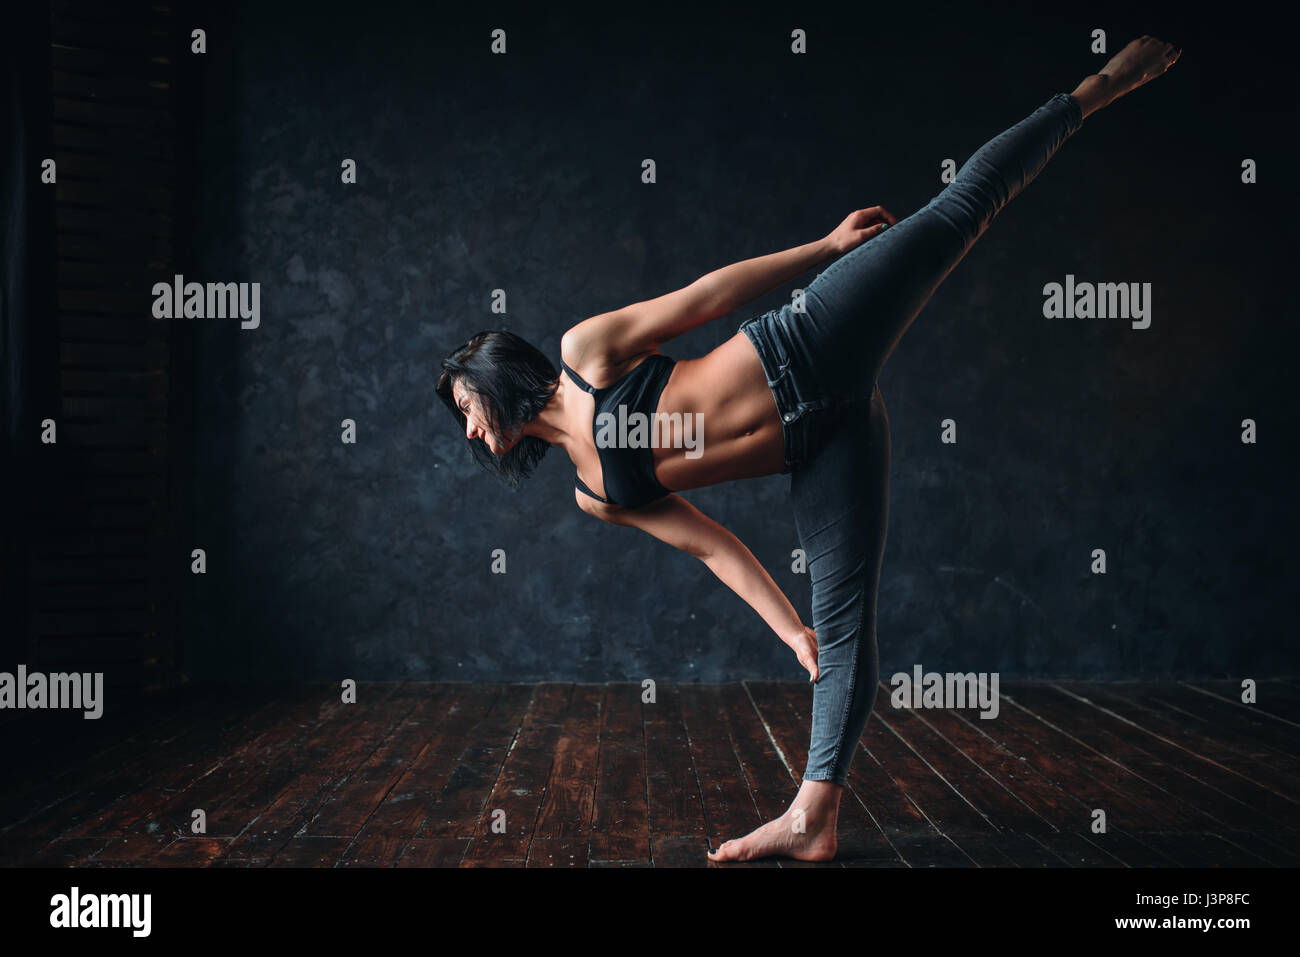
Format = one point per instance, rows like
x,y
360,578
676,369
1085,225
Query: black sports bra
x,y
628,472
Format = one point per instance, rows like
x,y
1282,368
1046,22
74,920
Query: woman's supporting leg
x,y
859,307
841,508
841,511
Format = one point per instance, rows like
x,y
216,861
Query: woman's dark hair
x,y
514,380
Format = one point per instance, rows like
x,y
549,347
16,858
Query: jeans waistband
x,y
789,385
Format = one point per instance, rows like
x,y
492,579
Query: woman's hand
x,y
859,226
803,641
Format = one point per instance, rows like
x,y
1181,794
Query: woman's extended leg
x,y
859,307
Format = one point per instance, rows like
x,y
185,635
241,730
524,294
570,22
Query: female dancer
x,y
794,391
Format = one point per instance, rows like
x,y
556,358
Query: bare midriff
x,y
740,427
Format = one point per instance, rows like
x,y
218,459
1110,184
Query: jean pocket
x,y
772,357
780,355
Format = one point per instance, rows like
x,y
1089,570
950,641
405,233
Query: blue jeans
x,y
822,365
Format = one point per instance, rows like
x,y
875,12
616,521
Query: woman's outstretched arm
x,y
612,338
733,286
745,281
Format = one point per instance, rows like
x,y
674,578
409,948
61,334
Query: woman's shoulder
x,y
583,349
583,344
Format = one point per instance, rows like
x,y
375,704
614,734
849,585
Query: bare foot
x,y
779,838
805,832
1141,61
804,643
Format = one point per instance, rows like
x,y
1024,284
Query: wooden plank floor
x,y
546,775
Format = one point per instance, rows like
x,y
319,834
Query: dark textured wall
x,y
523,172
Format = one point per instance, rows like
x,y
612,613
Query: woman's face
x,y
476,421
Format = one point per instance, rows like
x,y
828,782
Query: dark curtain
x,y
26,327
